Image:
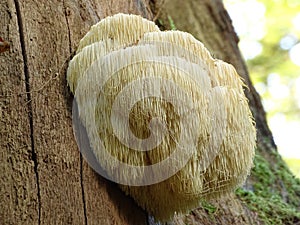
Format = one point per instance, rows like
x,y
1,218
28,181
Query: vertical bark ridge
x,y
81,159
29,103
82,190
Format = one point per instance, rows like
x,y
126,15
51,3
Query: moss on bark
x,y
275,194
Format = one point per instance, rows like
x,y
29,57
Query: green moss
x,y
166,23
208,207
160,23
172,24
271,210
276,192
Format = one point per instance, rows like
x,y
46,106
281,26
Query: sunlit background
x,y
269,33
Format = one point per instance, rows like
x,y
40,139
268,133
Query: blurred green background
x,y
269,33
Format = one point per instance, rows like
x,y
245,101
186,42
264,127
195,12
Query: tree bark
x,y
44,180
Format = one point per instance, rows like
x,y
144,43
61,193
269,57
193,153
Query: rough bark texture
x,y
43,178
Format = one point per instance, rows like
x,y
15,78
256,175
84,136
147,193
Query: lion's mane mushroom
x,y
128,70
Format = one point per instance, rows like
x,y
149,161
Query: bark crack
x,y
82,190
68,26
28,96
66,11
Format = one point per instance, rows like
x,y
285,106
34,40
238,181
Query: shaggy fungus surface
x,y
164,118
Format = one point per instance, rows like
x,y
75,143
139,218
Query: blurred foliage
x,y
269,32
276,34
274,59
294,165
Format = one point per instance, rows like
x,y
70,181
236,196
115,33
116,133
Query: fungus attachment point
x,y
164,119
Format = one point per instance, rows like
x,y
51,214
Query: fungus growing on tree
x,y
164,119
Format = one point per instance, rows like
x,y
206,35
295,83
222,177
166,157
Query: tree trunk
x,y
44,180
